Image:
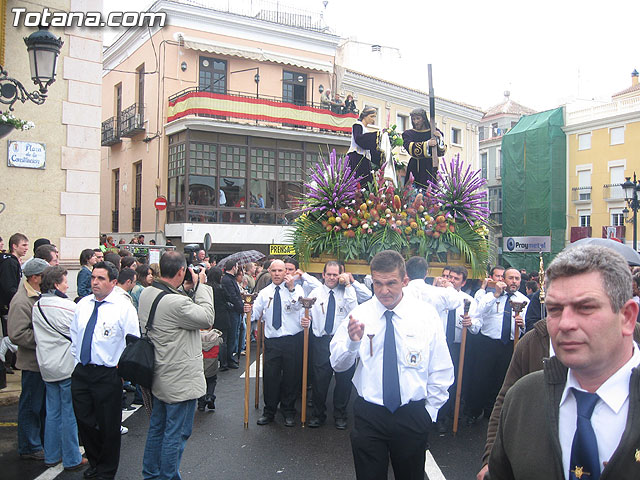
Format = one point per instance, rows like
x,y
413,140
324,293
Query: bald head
x,y
277,271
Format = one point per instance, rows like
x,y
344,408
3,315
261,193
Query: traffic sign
x,y
160,203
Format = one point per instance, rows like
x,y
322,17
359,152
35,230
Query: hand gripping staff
x,y
307,303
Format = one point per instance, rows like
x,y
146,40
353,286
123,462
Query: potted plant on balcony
x,y
341,220
8,122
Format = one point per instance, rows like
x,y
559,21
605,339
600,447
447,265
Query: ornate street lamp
x,y
43,48
631,196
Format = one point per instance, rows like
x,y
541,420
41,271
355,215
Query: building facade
x,y
603,148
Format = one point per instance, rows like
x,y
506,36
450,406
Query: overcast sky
x,y
545,52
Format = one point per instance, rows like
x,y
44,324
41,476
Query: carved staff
x,y
259,333
542,293
248,300
463,346
517,308
432,120
307,303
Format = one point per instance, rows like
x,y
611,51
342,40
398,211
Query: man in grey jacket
x,y
178,378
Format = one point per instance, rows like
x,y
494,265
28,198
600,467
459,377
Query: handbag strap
x,y
49,323
152,312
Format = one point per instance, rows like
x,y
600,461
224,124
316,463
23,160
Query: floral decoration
x,y
8,118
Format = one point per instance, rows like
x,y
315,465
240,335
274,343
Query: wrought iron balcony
x,y
110,134
132,120
613,192
580,232
581,194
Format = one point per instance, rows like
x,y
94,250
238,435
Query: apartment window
x,y
494,129
584,184
118,106
402,123
499,164
294,87
617,136
456,136
115,220
584,141
136,214
140,91
483,164
617,219
480,133
213,75
585,218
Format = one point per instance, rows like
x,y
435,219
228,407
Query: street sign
x,y
160,203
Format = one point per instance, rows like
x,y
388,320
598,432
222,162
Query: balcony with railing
x,y
614,231
252,108
580,232
132,121
110,133
613,192
581,195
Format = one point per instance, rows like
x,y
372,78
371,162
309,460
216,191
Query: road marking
x,y
252,370
8,424
432,469
53,472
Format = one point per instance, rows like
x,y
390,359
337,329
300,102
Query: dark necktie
x,y
390,378
331,313
451,326
277,309
585,460
85,349
506,321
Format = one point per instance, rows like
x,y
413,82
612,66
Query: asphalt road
x,y
221,448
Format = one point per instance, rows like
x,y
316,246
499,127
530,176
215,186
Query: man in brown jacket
x,y
31,407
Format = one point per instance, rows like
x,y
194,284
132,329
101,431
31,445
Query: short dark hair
x,y
86,255
112,258
267,264
460,270
124,253
531,285
97,250
142,271
15,239
126,274
50,277
126,262
214,276
292,261
497,267
45,252
388,261
171,263
111,269
417,268
331,263
39,242
446,267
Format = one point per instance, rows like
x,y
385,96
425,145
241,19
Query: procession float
x,y
341,219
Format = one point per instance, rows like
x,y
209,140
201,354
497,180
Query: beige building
x,y
61,200
221,113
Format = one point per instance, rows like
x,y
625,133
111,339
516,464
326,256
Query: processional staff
x,y
248,300
517,308
307,303
463,346
432,119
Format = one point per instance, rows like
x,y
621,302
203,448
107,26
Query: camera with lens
x,y
196,268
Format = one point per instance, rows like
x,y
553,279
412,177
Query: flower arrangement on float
x,y
339,219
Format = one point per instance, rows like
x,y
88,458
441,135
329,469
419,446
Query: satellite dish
x,y
207,242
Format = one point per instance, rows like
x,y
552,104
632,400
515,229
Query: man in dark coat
x,y
236,310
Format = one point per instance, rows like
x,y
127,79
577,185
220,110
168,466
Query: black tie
x,y
331,314
390,378
277,309
506,321
451,326
584,450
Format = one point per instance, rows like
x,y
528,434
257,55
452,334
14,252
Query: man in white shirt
x,y
306,281
493,347
278,308
98,330
579,418
334,300
402,376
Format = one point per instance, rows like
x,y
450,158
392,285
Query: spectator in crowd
x,y
144,278
100,324
88,259
236,309
99,255
350,105
48,253
178,378
325,99
112,258
52,316
211,340
155,269
126,282
264,277
128,261
141,239
31,407
223,313
337,105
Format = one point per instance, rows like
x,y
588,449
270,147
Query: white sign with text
x,y
26,154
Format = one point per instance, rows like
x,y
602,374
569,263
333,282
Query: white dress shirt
x,y
425,368
491,311
609,415
441,298
362,292
473,313
346,301
263,309
308,283
117,318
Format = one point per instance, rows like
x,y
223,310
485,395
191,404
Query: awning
x,y
258,54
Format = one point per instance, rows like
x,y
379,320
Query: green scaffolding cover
x,y
534,185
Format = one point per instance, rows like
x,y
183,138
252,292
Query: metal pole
x,y
157,218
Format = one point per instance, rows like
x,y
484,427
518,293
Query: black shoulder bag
x,y
137,360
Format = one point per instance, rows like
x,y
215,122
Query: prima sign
x,y
527,244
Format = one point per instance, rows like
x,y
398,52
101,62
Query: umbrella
x,y
246,256
630,255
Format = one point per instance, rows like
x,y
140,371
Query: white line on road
x,y
252,370
53,472
432,469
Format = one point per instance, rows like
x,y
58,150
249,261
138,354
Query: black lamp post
x,y
43,48
631,195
